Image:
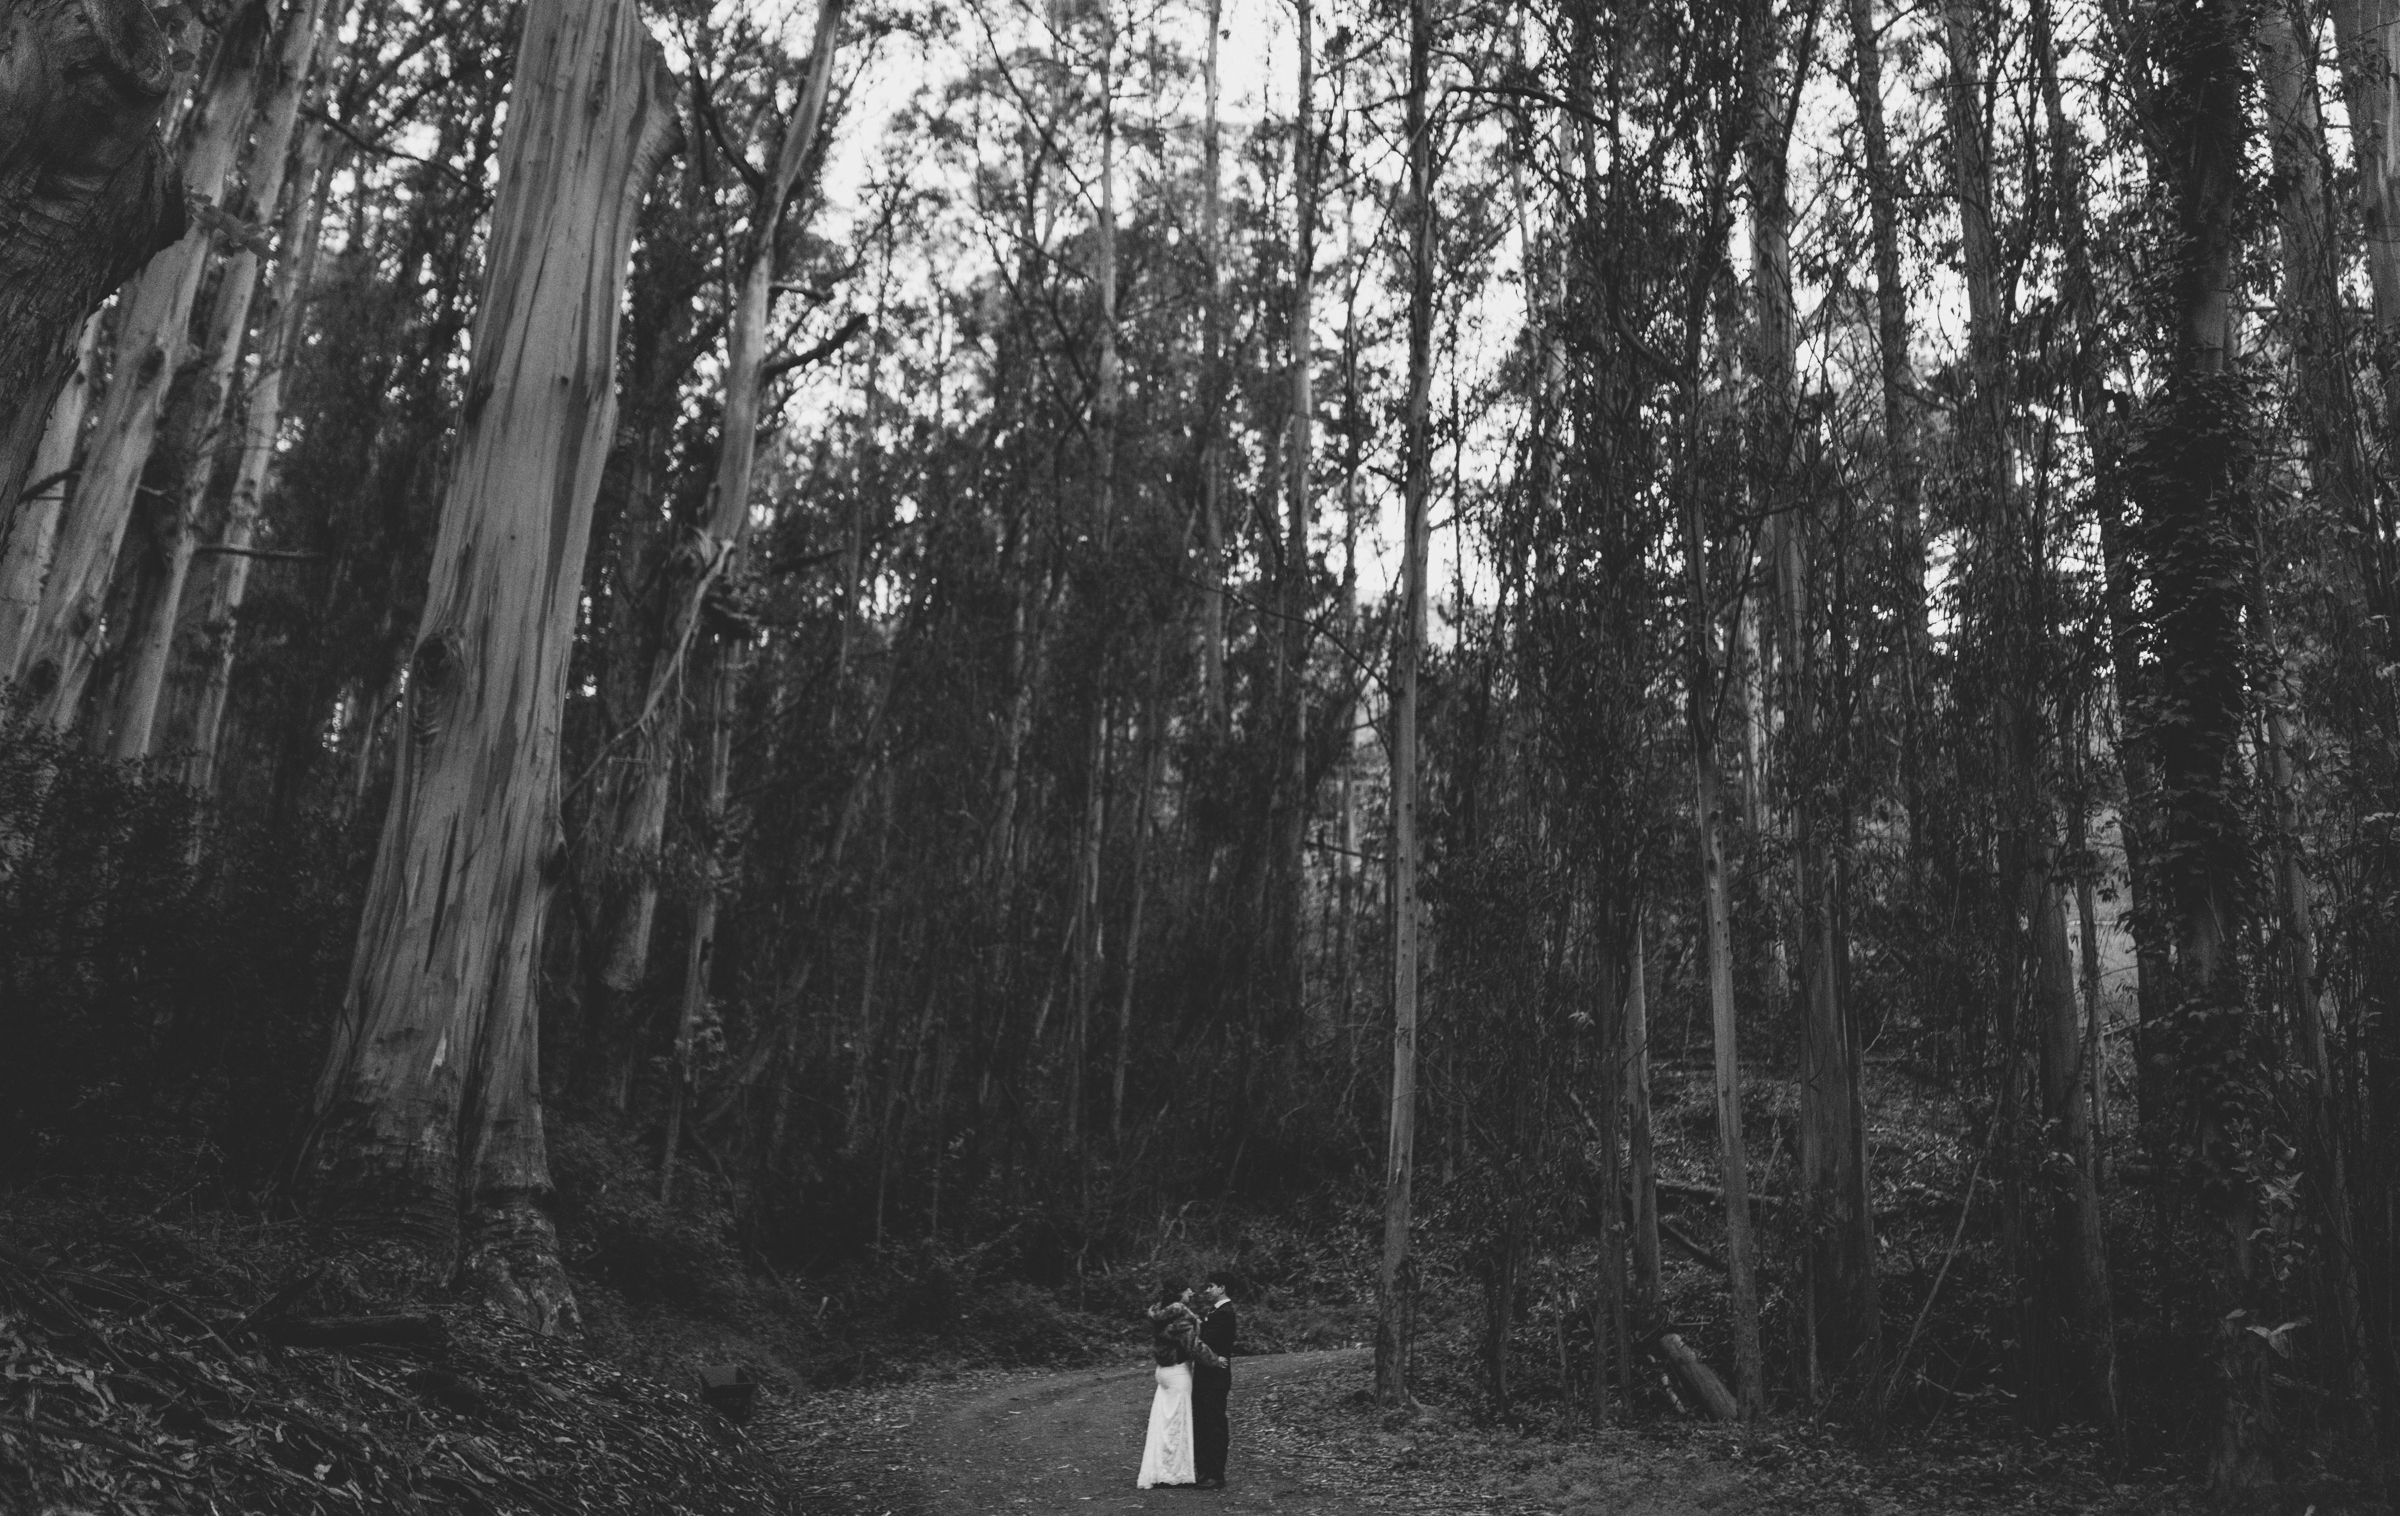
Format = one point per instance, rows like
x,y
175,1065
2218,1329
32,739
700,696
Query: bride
x,y
1168,1453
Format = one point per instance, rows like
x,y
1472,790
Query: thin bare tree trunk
x,y
1700,706
2326,411
1152,774
1843,1318
1899,389
277,345
1637,1119
2367,32
1396,1281
149,348
428,1113
640,813
721,661
30,537
153,639
1291,859
87,195
1212,458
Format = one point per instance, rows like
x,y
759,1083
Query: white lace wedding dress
x,y
1168,1454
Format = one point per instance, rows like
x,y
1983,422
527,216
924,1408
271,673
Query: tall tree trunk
x,y
1212,364
1702,674
1843,1316
204,413
638,814
2134,820
1904,473
1345,901
721,662
1637,1123
278,344
1291,854
28,538
87,195
2015,570
1150,775
149,348
1396,1282
2367,32
2325,410
2196,535
428,1112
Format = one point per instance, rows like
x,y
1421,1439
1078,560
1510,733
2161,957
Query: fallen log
x,y
1690,1244
1698,1377
1679,1190
406,1330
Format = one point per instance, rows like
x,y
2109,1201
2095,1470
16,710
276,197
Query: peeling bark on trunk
x,y
228,322
428,1112
149,348
87,195
30,537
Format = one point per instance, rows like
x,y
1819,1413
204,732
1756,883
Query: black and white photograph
x,y
1319,757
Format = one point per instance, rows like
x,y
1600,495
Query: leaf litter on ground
x,y
124,1395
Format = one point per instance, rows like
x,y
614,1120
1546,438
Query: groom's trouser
x,y
1210,1432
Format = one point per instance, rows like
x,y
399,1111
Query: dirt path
x,y
1308,1441
1070,1443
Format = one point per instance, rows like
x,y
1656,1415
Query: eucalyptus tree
x,y
427,1134
87,196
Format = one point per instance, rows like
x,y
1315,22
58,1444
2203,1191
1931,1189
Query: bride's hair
x,y
1168,1294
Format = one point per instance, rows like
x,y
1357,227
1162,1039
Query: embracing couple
x,y
1191,1341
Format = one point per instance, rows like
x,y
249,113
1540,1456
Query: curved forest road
x,y
1308,1441
1071,1443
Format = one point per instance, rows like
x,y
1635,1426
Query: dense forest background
x,y
1701,667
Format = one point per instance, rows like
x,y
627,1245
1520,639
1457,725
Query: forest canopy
x,y
1747,625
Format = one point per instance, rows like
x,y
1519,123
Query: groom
x,y
1211,1385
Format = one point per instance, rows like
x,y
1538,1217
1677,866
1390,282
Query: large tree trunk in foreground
x,y
1396,1283
153,639
429,1108
149,348
637,800
86,194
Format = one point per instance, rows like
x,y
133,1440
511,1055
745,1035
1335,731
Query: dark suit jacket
x,y
1217,1331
